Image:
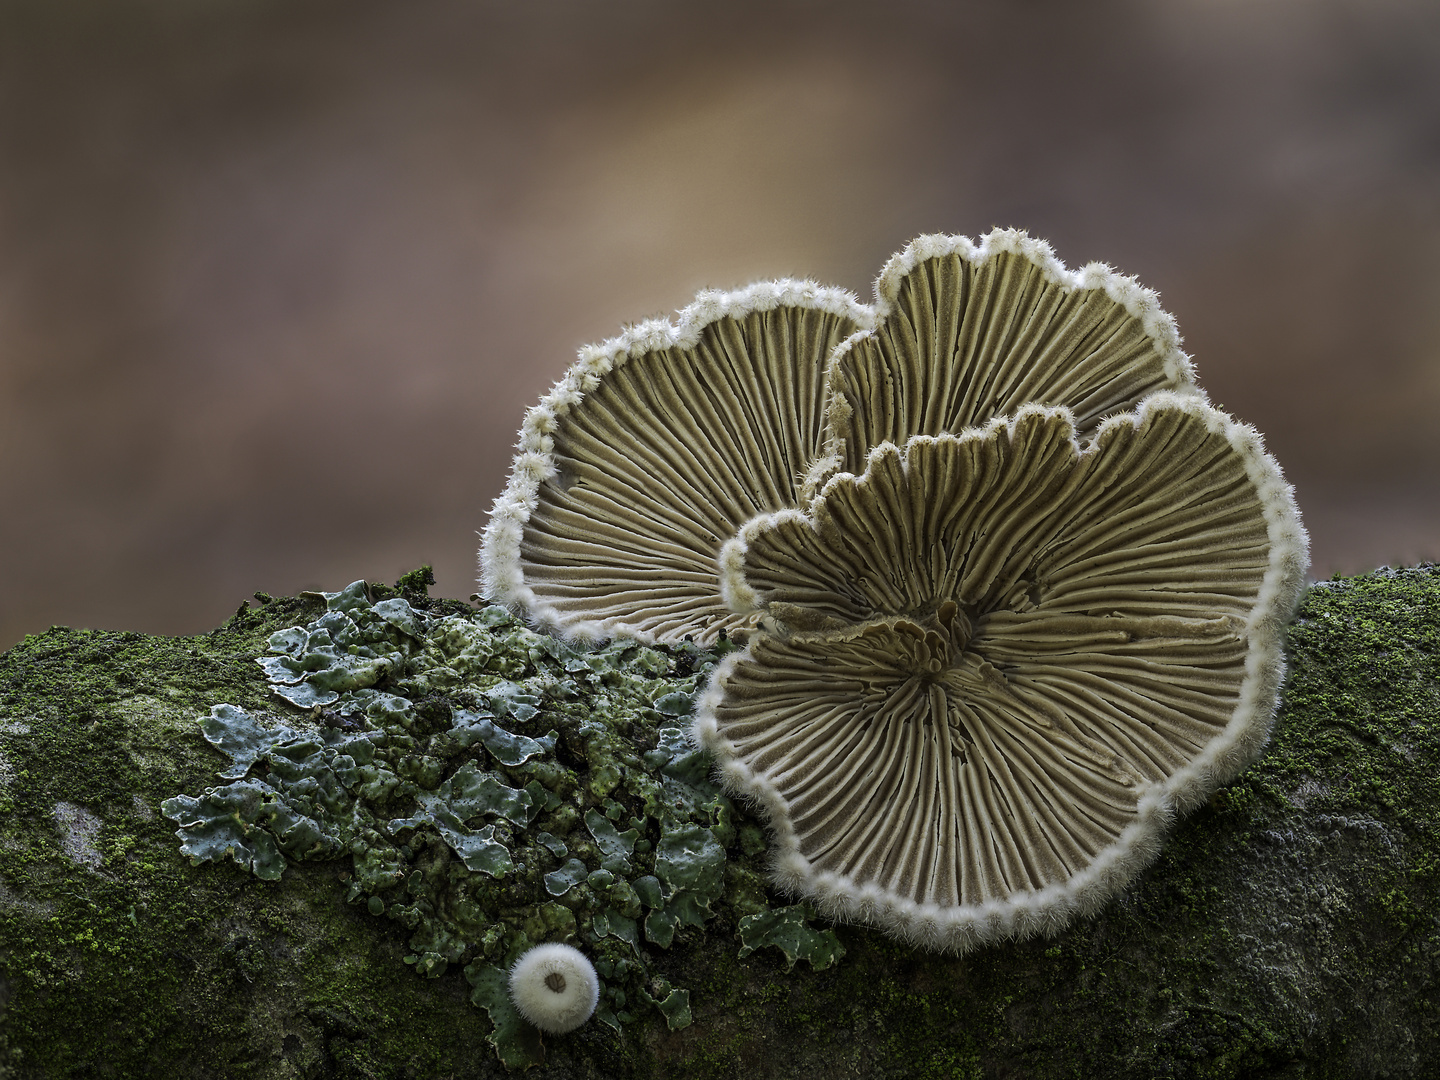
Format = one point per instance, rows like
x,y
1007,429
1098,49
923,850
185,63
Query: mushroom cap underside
x,y
1002,659
657,445
650,453
972,331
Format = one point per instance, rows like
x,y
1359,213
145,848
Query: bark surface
x,y
1290,928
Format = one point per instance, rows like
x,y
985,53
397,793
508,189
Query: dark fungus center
x,y
555,981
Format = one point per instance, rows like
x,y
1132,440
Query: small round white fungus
x,y
554,987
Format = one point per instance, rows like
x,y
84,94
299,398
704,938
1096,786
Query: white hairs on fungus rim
x,y
1140,302
554,987
963,928
502,574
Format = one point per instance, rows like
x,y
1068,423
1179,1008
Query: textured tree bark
x,y
1290,927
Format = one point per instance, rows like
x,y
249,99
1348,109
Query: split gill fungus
x,y
1022,603
651,451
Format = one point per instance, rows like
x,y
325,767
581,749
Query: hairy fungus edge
x,y
1281,588
502,571
1047,911
1141,303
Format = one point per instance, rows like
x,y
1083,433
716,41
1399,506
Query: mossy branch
x,y
1290,927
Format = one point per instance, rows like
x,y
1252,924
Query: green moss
x,y
1290,927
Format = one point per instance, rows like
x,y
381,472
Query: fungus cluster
x,y
1012,590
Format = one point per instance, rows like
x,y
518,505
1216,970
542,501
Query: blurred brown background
x,y
277,280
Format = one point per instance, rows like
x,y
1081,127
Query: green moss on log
x,y
1290,928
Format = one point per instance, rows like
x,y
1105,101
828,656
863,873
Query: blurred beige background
x,y
278,279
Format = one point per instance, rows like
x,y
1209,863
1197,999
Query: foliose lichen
x,y
494,788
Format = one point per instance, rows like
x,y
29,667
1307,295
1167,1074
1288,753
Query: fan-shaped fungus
x,y
649,454
1003,659
969,331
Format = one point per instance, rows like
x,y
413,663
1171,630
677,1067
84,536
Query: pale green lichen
x,y
788,929
494,788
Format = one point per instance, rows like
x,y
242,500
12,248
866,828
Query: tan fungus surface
x,y
666,455
1008,638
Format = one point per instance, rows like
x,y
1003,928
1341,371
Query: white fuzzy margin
x,y
502,570
1046,911
1141,303
543,1007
